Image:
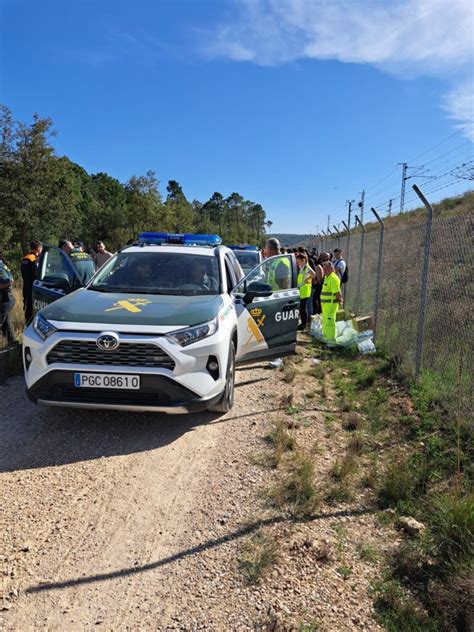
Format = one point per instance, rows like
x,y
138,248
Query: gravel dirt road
x,y
122,521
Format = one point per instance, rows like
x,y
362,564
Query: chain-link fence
x,y
426,327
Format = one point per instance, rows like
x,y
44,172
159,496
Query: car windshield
x,y
248,259
173,273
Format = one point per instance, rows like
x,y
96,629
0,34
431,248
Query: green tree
x,y
144,210
28,175
179,214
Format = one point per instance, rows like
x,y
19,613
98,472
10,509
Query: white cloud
x,y
459,103
406,37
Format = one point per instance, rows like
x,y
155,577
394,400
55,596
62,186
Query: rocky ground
x,y
115,521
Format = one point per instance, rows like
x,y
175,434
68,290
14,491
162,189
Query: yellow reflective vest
x,y
304,285
331,287
271,274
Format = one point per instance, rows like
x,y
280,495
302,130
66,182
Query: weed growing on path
x,y
259,553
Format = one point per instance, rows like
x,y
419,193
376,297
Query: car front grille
x,y
127,354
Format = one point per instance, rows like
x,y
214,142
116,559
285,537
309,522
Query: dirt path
x,y
101,509
124,521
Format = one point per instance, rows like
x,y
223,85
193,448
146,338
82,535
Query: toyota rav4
x,y
160,327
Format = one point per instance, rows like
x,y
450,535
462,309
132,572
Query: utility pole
x,y
361,206
349,211
390,208
404,179
329,221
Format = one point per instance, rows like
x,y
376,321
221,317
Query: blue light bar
x,y
186,239
252,248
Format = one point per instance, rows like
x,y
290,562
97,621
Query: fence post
x,y
361,259
348,239
379,269
424,281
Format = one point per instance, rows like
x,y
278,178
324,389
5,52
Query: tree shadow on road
x,y
195,550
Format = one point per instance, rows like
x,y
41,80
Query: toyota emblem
x,y
108,341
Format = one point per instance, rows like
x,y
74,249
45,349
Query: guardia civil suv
x,y
160,327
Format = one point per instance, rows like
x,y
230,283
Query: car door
x,y
267,325
56,277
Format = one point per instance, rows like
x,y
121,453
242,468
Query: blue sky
x,y
296,104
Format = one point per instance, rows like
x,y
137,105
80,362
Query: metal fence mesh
x,y
446,346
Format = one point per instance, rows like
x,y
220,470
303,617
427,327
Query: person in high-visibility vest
x,y
331,298
279,270
305,278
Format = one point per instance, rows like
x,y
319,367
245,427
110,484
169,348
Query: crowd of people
x,y
320,276
29,269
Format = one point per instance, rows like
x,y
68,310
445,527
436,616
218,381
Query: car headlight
x,y
43,328
185,337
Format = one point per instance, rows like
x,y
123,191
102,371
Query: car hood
x,y
88,306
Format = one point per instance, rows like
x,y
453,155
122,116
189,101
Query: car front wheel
x,y
227,400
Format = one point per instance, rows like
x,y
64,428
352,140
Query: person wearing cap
x,y
79,245
28,268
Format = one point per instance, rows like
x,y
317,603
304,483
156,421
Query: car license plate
x,y
106,380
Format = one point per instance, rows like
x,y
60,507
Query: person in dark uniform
x,y
29,266
7,301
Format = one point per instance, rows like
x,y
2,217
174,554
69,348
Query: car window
x,y
275,271
248,259
173,273
54,267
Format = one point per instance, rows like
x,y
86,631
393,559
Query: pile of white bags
x,y
346,335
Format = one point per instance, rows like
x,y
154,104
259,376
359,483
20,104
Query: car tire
x,y
227,400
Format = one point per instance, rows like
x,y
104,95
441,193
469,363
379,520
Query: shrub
x,y
397,483
452,528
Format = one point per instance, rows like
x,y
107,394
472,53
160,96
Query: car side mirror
x,y
257,289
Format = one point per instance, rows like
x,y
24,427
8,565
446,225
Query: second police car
x,y
161,327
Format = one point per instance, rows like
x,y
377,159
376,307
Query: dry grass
x,y
259,553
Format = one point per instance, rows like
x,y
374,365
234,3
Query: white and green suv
x,y
160,327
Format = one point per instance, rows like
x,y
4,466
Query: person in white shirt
x,y
339,263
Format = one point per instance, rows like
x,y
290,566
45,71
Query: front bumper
x,y
188,387
158,393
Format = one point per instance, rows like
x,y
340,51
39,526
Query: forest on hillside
x,y
48,197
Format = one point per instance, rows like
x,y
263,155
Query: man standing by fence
x,y
340,266
331,298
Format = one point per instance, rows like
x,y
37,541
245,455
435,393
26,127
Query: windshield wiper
x,y
136,290
96,288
